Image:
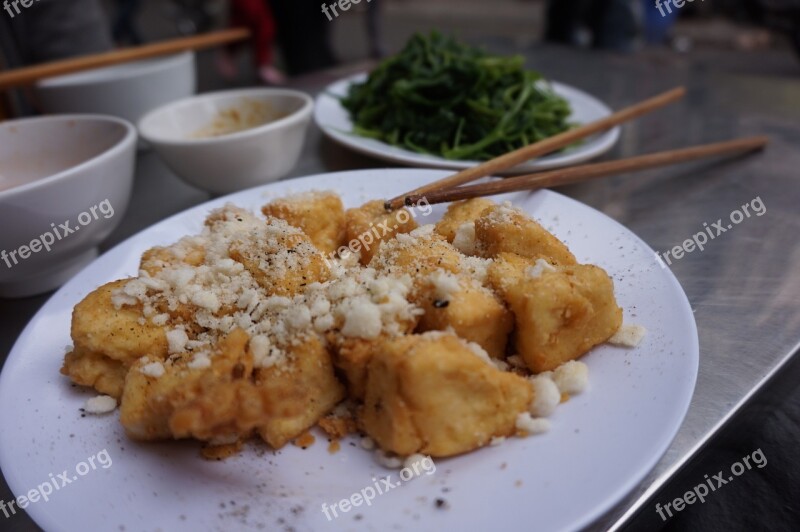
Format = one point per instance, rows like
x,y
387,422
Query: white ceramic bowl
x,y
126,91
65,183
236,161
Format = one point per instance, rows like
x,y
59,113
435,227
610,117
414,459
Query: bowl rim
x,y
127,141
304,112
149,66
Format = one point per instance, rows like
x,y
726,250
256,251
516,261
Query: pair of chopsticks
x,y
450,189
28,75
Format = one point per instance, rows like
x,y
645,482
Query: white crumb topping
x,y
367,443
541,266
423,231
445,284
236,263
153,369
497,440
415,461
362,318
571,377
628,336
531,425
176,340
464,239
516,361
476,267
102,404
388,461
199,361
546,396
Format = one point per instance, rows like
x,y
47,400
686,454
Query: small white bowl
x,y
73,169
127,91
235,161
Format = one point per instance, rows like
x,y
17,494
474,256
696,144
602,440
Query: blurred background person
x,y
603,24
54,29
256,15
125,29
303,35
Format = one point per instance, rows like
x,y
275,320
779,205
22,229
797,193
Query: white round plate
x,y
334,121
601,444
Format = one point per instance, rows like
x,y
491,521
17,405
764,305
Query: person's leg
x,y
374,30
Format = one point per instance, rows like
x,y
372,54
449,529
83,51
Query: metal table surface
x,y
744,287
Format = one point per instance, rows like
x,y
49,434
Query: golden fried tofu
x,y
370,225
507,270
212,401
320,215
562,313
187,251
459,213
99,327
505,229
473,312
95,370
417,255
279,257
309,374
432,394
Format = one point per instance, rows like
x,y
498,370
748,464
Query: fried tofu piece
x,y
215,402
99,327
505,229
506,271
281,258
562,313
187,251
417,255
95,370
459,213
320,215
313,385
432,394
370,225
473,312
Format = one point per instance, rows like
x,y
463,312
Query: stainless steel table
x,y
744,287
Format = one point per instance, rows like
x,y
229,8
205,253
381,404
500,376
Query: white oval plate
x,y
334,121
602,442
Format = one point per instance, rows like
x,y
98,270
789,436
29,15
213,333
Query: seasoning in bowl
x,y
247,114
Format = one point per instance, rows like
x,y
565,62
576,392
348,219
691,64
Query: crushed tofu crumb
x,y
571,377
464,240
529,425
541,266
445,284
546,396
102,404
176,340
153,369
387,460
415,462
628,336
367,443
497,440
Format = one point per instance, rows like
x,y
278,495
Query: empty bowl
x,y
126,91
65,183
231,140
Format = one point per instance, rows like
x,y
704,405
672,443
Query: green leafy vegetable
x,y
441,97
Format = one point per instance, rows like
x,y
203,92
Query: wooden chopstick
x,y
29,75
543,147
586,172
